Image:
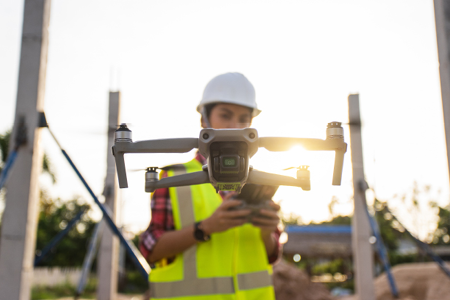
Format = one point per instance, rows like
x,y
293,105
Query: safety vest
x,y
232,265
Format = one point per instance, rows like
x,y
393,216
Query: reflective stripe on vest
x,y
191,285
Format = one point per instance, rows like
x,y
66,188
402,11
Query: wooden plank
x,y
442,18
109,247
19,222
361,232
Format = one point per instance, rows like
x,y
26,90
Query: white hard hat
x,y
232,88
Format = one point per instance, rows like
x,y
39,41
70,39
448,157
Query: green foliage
x,y
291,219
133,283
63,290
5,138
47,168
4,147
337,220
332,267
441,235
396,259
387,224
54,217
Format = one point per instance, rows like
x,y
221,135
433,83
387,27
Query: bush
x,y
63,290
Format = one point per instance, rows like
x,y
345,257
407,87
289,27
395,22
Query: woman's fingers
x,y
274,206
231,214
236,222
264,221
230,196
267,219
230,203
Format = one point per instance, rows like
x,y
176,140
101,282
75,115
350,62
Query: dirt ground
x,y
292,283
419,281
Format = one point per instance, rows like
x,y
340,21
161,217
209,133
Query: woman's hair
x,y
208,108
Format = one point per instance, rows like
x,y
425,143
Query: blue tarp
x,y
318,229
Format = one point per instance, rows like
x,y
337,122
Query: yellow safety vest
x,y
233,265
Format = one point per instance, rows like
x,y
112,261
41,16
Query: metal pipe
x,y
144,271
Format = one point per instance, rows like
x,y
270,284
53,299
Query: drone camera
x,y
228,152
229,160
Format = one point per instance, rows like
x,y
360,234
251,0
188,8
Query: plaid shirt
x,y
162,220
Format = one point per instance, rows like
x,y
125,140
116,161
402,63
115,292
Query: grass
x,y
63,290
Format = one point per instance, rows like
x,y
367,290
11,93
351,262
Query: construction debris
x,y
291,283
415,281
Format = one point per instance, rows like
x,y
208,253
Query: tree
x,y
441,235
54,217
389,229
4,147
4,151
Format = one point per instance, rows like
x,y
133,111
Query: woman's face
x,y
225,115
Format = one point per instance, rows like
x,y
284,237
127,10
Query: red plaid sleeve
x,y
274,257
161,221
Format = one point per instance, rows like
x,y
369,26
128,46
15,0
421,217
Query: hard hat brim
x,y
255,112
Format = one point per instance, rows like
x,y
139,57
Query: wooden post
x,y
442,18
19,222
109,247
361,232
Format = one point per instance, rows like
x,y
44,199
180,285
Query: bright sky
x,y
303,57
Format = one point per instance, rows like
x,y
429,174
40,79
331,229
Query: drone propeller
x,y
304,167
353,123
127,124
153,169
290,168
144,169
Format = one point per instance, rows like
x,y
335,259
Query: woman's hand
x,y
268,219
223,218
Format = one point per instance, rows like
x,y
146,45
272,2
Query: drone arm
x,y
181,145
178,180
286,143
338,166
335,144
121,171
263,178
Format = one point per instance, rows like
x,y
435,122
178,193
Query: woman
x,y
201,248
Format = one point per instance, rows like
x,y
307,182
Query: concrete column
x,y
442,18
108,259
361,231
19,222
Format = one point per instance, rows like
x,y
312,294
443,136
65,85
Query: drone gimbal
x,y
228,152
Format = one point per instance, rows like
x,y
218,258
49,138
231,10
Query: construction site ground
x,y
415,281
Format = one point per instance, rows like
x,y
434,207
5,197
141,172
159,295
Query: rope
x,y
9,163
425,248
20,139
55,241
144,270
382,251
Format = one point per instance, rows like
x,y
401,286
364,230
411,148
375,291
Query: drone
x,y
228,153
